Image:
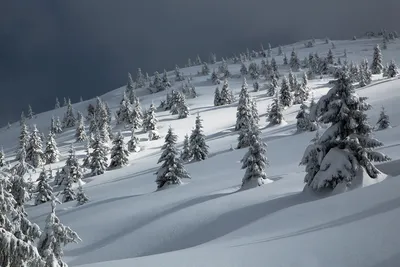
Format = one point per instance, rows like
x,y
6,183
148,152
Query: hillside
x,y
207,221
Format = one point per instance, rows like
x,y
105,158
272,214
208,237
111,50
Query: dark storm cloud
x,y
72,48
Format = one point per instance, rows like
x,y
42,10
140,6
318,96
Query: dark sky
x,y
86,47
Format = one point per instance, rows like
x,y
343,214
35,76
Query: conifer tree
x,y
214,77
81,197
274,68
58,126
178,74
285,60
255,162
34,152
119,152
72,169
225,95
54,237
69,117
256,86
361,77
392,70
140,79
98,157
183,109
367,72
243,113
23,140
57,105
150,121
217,97
30,112
129,85
269,51
51,152
186,153
254,71
2,158
292,86
329,57
275,115
205,70
304,122
383,122
376,65
124,112
133,143
280,52
243,70
172,169
345,149
44,190
285,95
164,81
294,61
80,134
87,159
198,146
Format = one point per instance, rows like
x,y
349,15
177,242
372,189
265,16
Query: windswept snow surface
x,y
207,221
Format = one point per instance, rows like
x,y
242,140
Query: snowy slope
x,y
205,222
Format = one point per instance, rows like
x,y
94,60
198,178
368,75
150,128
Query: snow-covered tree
x,y
256,86
81,197
57,105
284,94
345,149
2,158
98,157
243,70
133,143
269,51
376,65
217,97
119,152
58,126
178,74
254,71
392,70
255,162
367,72
291,77
214,77
124,112
329,57
383,121
34,152
274,68
275,115
87,159
30,112
197,140
362,81
164,81
44,190
243,113
150,121
225,95
304,122
172,169
280,52
186,153
72,169
51,152
205,70
183,109
54,237
80,133
129,85
140,79
294,61
69,117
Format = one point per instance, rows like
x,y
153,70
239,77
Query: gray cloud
x,y
72,48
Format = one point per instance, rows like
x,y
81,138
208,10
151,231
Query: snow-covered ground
x,y
206,221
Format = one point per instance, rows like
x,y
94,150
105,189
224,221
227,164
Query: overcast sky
x,y
85,48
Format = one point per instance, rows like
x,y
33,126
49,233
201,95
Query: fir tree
x,y
198,146
214,77
133,143
225,95
58,126
217,97
269,51
294,61
136,115
274,68
87,159
34,152
384,45
367,72
44,190
124,112
256,86
65,102
55,235
81,197
183,109
329,57
345,149
72,169
2,158
243,70
255,162
285,60
119,152
186,153
69,117
140,79
254,71
172,169
98,157
178,74
23,140
57,105
383,122
361,77
304,122
164,81
285,96
392,69
272,88
275,115
150,121
129,85
80,134
376,65
292,85
280,52
51,152
205,70
243,113
30,112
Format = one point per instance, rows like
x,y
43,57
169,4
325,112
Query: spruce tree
x,y
214,77
392,69
133,143
275,115
243,70
178,74
269,51
30,112
186,153
243,113
124,112
136,116
23,140
255,162
225,95
285,60
198,146
205,70
81,197
51,152
80,133
140,79
367,72
58,126
172,169
383,122
361,77
87,158
72,169
292,86
54,237
183,109
129,85
164,81
217,97
98,157
256,86
285,95
2,158
345,149
254,71
150,121
329,57
294,61
304,122
280,52
65,102
119,152
274,68
376,65
69,117
57,105
44,190
34,152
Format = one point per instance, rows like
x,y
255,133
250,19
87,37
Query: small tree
x,y
119,153
133,143
80,134
280,52
243,114
217,97
183,109
58,126
98,156
178,74
392,70
275,115
329,57
243,70
376,65
81,197
256,86
205,70
172,169
2,158
51,152
294,61
30,112
150,121
69,117
225,95
198,146
57,105
285,60
292,78
383,122
34,152
285,95
255,162
214,77
304,122
44,190
140,79
186,153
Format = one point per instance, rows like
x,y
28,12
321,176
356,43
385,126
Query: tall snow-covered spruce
x,y
98,157
345,150
51,152
119,152
197,140
172,170
376,65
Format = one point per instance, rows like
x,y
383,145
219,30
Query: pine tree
x,y
275,115
124,112
225,95
81,197
292,86
274,68
44,190
87,159
58,126
72,169
280,52
217,97
57,105
140,79
272,88
198,146
256,86
30,112
367,72
255,162
383,122
376,66
80,134
55,235
285,60
119,152
384,44
269,51
129,85
51,152
345,149
2,158
34,152
186,153
69,117
243,70
65,102
172,169
205,70
178,74
304,122
243,113
133,143
23,140
136,115
98,157
392,69
164,82
183,109
214,77
361,77
294,61
285,96
329,57
254,71
150,121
